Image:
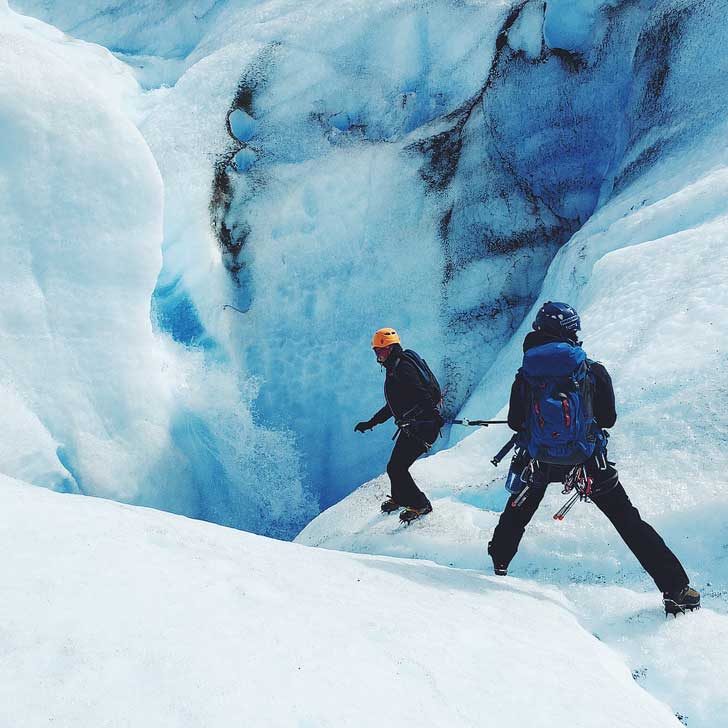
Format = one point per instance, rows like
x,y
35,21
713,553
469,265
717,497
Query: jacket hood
x,y
539,338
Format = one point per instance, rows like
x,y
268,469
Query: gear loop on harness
x,y
528,479
579,480
528,472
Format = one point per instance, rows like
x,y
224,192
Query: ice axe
x,y
484,423
478,423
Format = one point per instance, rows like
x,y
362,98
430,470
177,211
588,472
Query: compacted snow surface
x,y
116,616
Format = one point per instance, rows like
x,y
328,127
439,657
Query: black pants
x,y
612,500
406,450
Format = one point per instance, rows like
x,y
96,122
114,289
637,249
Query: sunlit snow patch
x,y
200,623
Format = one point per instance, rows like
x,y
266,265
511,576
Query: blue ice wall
x,y
415,165
465,185
174,313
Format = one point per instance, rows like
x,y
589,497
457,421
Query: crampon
x,y
685,600
412,514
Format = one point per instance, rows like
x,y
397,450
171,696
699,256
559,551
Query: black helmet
x,y
559,319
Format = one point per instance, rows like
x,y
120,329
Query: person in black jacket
x,y
558,322
419,423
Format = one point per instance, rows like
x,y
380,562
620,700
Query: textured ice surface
x,y
81,219
323,222
101,403
571,25
422,176
526,33
428,193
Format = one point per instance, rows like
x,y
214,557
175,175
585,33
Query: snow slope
x,y
114,615
682,662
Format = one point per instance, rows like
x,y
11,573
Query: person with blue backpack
x,y
412,396
561,404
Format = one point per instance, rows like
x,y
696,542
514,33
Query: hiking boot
x,y
499,568
389,506
410,514
678,601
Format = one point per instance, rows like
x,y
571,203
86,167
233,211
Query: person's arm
x,y
605,411
379,418
382,415
517,404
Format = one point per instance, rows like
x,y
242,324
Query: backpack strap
x,y
413,361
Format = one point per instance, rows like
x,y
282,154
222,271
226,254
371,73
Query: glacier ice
x,y
81,214
526,33
104,405
326,180
444,174
647,272
437,197
242,125
571,25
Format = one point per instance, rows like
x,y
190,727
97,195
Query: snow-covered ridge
x,y
117,616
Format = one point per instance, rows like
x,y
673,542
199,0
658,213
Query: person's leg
x,y
511,526
404,489
641,539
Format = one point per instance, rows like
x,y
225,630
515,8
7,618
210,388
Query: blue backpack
x,y
560,425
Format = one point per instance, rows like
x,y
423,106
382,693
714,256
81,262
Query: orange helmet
x,y
385,337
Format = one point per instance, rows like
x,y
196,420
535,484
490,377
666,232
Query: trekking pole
x,y
521,497
477,423
582,483
559,515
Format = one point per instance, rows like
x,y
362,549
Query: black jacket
x,y
604,409
405,392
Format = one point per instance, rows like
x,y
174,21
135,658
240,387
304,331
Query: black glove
x,y
364,426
